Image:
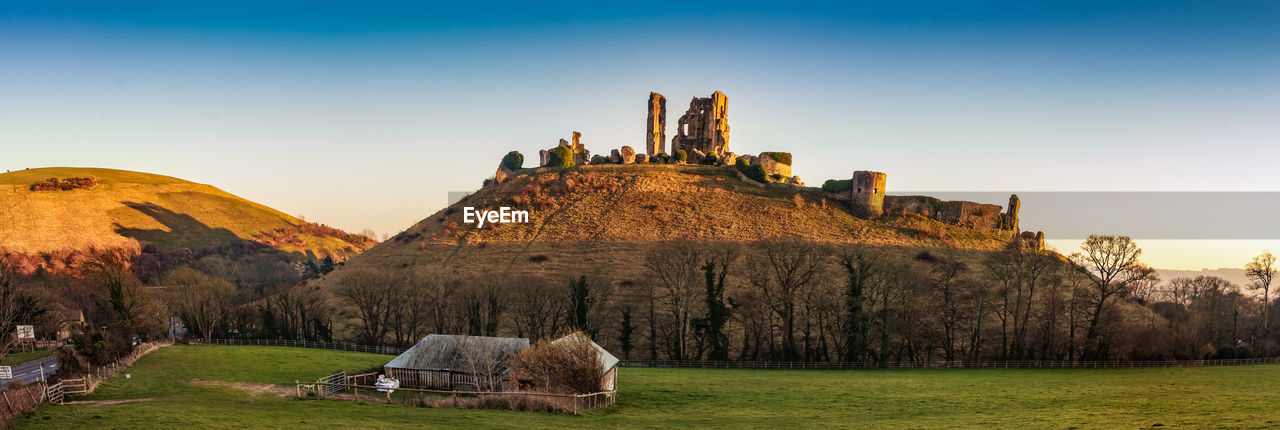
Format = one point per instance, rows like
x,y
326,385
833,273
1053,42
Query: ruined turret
x,y
1010,217
704,127
655,140
867,199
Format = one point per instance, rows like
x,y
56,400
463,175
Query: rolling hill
x,y
125,209
606,218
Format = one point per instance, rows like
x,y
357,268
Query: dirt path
x,y
259,389
107,402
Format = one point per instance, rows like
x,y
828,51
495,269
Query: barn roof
x,y
459,353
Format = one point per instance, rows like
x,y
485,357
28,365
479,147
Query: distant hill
x,y
123,209
606,218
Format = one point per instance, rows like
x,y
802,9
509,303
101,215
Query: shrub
x,y
837,185
781,157
570,365
661,157
64,184
681,156
514,160
560,157
711,158
754,171
776,177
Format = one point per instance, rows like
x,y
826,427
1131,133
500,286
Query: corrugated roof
x,y
459,353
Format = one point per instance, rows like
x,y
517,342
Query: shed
x,y
454,362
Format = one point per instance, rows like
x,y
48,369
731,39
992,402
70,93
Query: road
x,y
29,372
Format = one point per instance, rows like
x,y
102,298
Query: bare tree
x,y
1260,272
199,298
782,270
675,270
1113,266
370,292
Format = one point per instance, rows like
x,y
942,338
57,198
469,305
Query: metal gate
x,y
339,378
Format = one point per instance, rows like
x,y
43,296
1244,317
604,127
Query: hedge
x,y
560,157
513,161
781,157
837,185
754,171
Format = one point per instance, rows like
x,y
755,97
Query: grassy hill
x,y
608,217
126,209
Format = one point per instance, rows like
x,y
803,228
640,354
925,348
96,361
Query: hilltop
x,y
608,216
109,208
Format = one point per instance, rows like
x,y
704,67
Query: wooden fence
x,y
16,400
1025,364
571,403
88,382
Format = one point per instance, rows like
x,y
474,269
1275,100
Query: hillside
x,y
608,217
123,209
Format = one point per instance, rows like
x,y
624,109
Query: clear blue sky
x,y
366,115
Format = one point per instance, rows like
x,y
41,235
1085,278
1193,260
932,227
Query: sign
x,y
6,372
26,332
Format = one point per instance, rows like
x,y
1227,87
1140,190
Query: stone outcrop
x,y
599,159
704,127
580,153
776,167
867,194
544,156
628,155
615,157
1032,240
655,140
642,158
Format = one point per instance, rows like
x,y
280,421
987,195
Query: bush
x,y
513,161
711,158
754,171
661,157
776,177
681,156
64,184
560,157
781,157
837,185
570,365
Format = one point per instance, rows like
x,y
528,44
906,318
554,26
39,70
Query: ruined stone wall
x,y
925,206
655,140
704,127
977,216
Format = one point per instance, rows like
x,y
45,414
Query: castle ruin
x,y
655,140
704,127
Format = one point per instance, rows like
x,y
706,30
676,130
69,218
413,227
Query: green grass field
x,y
1199,397
18,357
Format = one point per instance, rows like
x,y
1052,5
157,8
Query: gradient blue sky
x,y
366,115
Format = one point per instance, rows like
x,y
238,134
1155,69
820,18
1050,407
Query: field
x,y
172,384
18,357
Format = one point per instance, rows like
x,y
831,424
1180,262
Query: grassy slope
x,y
666,398
15,358
612,216
185,214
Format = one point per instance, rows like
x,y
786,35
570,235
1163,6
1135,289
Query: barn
x,y
474,363
451,362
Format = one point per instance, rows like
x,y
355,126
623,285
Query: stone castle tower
x,y
705,126
867,194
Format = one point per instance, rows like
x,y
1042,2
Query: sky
x,y
366,115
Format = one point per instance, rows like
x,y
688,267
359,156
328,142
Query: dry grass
x,y
609,217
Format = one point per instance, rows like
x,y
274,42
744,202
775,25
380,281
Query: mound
x,y
55,209
607,217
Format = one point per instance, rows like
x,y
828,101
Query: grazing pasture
x,y
248,386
